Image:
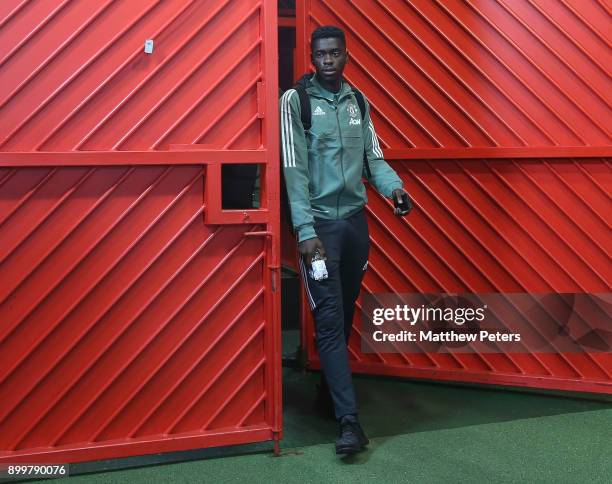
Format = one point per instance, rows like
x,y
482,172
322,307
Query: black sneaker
x,y
352,438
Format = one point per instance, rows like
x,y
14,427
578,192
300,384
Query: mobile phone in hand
x,y
404,203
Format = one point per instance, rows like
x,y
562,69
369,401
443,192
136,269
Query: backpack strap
x,y
304,106
300,86
361,103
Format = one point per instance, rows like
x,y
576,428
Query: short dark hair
x,y
327,32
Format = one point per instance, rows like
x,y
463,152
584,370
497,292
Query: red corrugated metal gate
x,y
496,114
136,316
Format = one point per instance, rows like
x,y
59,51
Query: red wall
x,y
496,116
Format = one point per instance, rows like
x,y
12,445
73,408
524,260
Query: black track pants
x,y
332,301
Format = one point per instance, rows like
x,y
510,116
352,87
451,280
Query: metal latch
x,y
273,261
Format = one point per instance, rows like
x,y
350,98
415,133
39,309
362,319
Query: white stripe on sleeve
x,y
375,145
287,131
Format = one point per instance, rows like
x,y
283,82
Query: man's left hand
x,y
398,197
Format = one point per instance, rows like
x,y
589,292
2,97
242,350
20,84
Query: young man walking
x,y
323,167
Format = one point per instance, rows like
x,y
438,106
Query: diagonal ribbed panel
x,y
77,78
129,322
485,226
477,73
469,75
135,316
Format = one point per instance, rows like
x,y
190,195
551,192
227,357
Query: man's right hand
x,y
308,248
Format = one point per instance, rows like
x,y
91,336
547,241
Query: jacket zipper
x,y
341,162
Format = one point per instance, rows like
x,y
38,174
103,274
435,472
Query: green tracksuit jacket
x,y
323,167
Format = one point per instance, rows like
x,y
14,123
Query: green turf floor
x,y
420,432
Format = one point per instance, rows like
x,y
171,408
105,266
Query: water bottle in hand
x,y
318,271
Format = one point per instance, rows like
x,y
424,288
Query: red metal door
x,y
136,315
496,116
